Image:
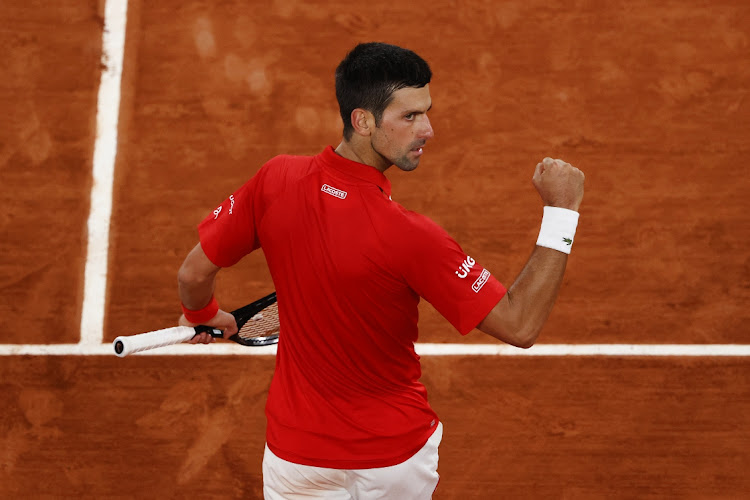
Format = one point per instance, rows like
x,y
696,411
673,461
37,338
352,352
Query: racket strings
x,y
263,324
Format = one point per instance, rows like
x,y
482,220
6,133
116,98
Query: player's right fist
x,y
559,184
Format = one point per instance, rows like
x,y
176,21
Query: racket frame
x,y
242,316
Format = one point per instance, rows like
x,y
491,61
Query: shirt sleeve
x,y
436,267
230,232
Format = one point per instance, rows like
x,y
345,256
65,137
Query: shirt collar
x,y
355,169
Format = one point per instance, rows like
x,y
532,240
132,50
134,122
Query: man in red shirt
x,y
347,415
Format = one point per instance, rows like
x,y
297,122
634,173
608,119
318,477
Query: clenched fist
x,y
559,184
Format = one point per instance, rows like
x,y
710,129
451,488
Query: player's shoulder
x,y
284,169
285,163
413,226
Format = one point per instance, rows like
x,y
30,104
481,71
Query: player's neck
x,y
361,153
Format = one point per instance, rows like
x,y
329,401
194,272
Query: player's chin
x,y
407,164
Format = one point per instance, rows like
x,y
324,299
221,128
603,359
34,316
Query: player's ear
x,y
363,121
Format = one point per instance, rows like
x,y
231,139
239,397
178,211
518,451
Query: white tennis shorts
x,y
414,479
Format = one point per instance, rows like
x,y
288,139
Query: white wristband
x,y
558,229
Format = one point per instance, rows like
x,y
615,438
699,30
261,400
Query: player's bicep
x,y
230,232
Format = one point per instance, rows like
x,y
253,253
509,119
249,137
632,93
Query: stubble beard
x,y
403,162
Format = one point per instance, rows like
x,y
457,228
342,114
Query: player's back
x,y
346,363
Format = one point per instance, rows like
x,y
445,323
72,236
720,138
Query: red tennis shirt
x,y
349,266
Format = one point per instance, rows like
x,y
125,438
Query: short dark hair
x,y
370,74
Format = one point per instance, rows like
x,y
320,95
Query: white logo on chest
x,y
333,191
466,266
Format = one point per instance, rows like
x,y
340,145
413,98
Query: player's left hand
x,y
222,321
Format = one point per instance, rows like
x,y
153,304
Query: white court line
x,y
105,150
228,348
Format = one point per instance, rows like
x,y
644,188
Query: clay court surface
x,y
650,101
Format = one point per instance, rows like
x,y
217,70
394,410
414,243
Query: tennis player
x,y
347,415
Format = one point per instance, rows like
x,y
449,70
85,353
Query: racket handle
x,y
128,344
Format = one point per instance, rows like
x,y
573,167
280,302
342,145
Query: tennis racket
x,y
258,325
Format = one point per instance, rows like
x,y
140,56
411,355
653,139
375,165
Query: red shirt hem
x,y
353,464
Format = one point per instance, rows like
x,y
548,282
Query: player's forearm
x,y
533,294
519,317
194,293
196,279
